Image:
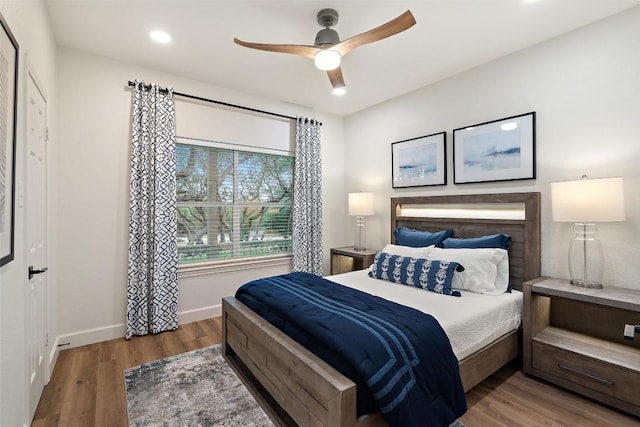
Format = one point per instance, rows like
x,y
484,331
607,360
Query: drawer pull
x,y
584,374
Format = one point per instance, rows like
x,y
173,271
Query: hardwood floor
x,y
87,387
509,398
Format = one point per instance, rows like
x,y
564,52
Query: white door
x,y
36,212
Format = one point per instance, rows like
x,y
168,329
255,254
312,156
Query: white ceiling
x,y
450,36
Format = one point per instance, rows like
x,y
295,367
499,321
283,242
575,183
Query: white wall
x,y
90,194
585,88
29,24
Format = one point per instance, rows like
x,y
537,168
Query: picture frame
x,y
499,150
8,105
420,161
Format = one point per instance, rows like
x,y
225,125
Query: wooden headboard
x,y
524,251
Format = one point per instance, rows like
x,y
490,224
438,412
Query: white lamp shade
x,y
361,204
588,200
327,59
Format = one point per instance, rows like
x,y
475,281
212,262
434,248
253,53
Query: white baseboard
x,y
90,336
200,314
54,351
106,333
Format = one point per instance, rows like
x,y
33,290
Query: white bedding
x,y
471,321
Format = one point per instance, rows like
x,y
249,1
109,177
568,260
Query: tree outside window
x,y
232,203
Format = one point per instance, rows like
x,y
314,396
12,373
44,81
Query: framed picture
x,y
501,150
420,161
8,91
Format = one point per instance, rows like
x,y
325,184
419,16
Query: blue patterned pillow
x,y
492,241
433,275
419,239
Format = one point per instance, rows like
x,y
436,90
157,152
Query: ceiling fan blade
x,y
395,26
295,49
335,77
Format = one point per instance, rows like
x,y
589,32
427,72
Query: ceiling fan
x,y
328,49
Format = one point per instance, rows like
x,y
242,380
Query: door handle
x,y
33,272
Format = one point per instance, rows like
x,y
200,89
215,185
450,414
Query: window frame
x,y
204,268
238,263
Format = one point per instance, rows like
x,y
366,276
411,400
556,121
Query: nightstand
x,y
573,337
348,259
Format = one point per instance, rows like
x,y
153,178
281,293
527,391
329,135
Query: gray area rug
x,y
197,388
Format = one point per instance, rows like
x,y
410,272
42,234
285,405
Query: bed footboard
x,y
478,366
310,391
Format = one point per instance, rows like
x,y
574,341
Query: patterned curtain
x,y
152,293
307,198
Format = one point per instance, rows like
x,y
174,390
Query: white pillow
x,y
408,251
486,270
502,280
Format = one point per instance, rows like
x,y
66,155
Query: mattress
x,y
471,321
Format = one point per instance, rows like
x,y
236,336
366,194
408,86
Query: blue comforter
x,y
400,358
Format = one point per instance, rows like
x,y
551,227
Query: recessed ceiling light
x,y
160,36
509,126
339,91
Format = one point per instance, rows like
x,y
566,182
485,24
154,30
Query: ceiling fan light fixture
x,y
327,59
160,37
339,91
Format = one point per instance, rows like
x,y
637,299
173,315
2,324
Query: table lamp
x,y
586,202
360,205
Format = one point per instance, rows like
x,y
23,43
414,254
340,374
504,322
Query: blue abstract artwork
x,y
492,151
417,162
500,150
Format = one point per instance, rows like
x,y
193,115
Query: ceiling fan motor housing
x,y
327,18
327,36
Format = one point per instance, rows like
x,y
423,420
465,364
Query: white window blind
x,y
232,203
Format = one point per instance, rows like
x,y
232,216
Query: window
x,y
232,204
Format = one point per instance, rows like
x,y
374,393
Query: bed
x,y
298,388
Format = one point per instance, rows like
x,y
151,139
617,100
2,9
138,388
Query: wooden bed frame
x,y
297,388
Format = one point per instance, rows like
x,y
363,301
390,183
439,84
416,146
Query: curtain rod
x,y
226,104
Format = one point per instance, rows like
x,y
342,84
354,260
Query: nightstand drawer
x,y
611,380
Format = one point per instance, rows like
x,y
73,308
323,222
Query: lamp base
x,y
360,244
586,259
583,284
